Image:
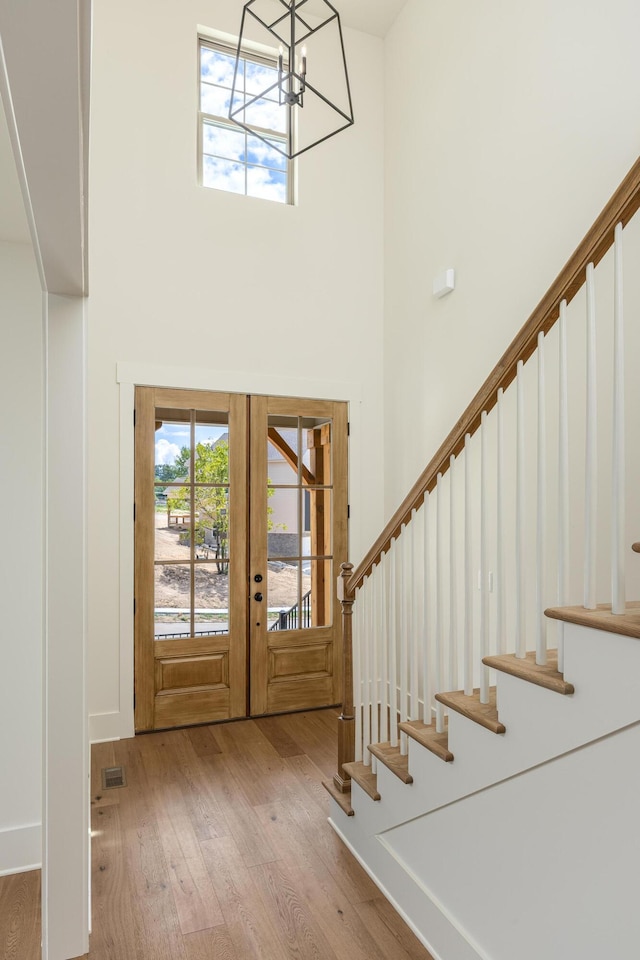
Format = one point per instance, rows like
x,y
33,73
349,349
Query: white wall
x,y
508,126
544,864
200,281
21,493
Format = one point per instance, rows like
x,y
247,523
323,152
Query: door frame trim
x,y
119,724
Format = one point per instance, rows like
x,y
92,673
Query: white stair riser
x,y
541,724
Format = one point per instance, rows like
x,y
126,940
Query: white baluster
x,y
375,658
414,677
404,689
366,671
501,605
563,476
541,539
468,572
427,673
439,659
591,451
520,605
383,617
484,563
400,658
618,457
357,672
393,662
452,680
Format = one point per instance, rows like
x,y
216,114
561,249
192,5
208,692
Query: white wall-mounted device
x,y
444,283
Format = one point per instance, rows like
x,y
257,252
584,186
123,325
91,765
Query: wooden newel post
x,y
346,721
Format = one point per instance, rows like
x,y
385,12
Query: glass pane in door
x,y
283,444
172,601
283,522
211,599
320,591
283,594
172,542
172,446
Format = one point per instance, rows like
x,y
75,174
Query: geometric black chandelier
x,y
310,87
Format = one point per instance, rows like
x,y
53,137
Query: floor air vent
x,y
113,777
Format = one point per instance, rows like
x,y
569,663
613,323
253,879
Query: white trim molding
x,y
20,849
409,898
65,837
203,378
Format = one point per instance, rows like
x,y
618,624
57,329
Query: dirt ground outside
x,y
172,581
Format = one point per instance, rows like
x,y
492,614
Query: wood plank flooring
x,y
219,848
20,916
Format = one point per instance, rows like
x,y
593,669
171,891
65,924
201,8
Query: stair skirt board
x,y
408,893
408,896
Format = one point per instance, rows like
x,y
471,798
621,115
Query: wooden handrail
x,y
620,209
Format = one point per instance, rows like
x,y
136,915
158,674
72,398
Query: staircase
x,y
486,749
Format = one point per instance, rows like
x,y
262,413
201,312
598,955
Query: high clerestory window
x,y
230,157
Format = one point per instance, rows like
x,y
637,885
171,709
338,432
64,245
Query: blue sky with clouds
x,y
172,437
233,160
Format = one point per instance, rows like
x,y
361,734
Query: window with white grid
x,y
231,158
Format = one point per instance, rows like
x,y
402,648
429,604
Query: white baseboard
x,y
104,727
434,926
20,849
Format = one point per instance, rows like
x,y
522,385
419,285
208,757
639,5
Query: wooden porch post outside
x,y
346,721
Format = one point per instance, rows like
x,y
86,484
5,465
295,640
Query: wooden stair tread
x,y
425,734
364,777
393,759
343,799
486,714
628,624
527,669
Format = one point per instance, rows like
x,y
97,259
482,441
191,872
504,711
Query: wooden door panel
x,y
193,672
238,677
258,625
188,709
300,694
296,659
179,674
144,661
301,662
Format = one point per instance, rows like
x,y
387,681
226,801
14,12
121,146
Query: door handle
x,y
257,596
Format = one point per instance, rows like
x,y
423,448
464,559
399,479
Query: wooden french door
x,y
298,531
240,530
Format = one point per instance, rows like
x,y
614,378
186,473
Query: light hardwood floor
x,y
20,916
219,848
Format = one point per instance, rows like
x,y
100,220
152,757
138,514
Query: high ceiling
x,y
370,16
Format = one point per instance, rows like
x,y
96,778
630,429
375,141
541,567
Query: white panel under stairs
x,y
521,813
